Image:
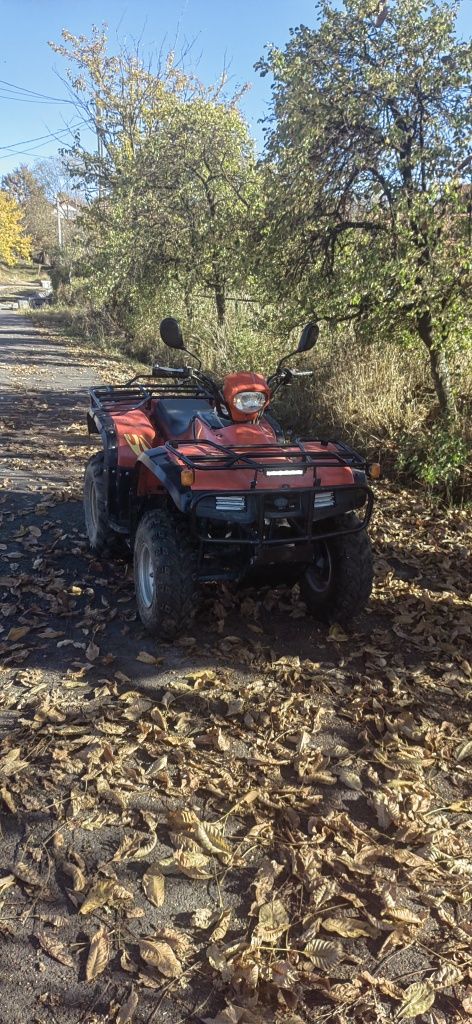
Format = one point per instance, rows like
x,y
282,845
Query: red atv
x,y
203,484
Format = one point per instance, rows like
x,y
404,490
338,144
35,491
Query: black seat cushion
x,y
174,416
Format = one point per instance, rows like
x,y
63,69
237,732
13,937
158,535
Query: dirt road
x,y
274,776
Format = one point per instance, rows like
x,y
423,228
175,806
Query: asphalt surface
x,y
264,678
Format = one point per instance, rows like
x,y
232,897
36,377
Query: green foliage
x,y
358,216
440,458
368,210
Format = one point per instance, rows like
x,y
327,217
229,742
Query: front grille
x,y
230,503
325,499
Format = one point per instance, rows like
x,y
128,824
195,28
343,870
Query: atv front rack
x,y
264,457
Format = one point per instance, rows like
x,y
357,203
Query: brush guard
x,y
262,459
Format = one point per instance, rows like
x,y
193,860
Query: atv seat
x,y
174,416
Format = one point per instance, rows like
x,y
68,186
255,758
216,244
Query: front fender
x,y
157,462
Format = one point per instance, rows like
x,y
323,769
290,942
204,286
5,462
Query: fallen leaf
x,y
162,956
55,949
99,954
154,885
127,1010
417,998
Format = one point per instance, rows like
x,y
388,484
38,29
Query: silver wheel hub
x,y
145,576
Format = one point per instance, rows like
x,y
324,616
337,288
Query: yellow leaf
x,y
99,954
348,927
418,998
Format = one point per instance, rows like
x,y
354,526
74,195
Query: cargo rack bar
x,y
124,397
263,456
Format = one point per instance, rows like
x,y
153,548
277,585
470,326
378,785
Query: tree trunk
x,y
220,300
439,368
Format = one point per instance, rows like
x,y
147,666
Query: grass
x,y
377,397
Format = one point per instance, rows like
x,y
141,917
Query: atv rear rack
x,y
124,397
264,457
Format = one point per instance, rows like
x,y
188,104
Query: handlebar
x,y
171,371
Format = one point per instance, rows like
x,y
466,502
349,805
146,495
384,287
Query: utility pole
x,y
59,222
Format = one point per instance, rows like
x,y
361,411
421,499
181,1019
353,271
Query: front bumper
x,y
260,512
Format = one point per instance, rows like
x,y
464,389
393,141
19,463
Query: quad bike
x,y
203,485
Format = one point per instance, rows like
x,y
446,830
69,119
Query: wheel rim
x,y
145,576
319,573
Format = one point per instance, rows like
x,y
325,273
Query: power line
x,y
29,95
39,138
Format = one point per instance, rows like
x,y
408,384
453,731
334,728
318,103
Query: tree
x,y
172,182
24,186
14,243
368,211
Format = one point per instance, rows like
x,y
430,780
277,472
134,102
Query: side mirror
x,y
171,333
308,337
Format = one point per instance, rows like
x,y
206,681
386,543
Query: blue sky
x,y
223,32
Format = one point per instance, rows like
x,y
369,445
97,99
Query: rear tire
x,y
102,539
338,583
165,574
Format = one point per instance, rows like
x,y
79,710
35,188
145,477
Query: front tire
x,y
165,574
102,539
338,583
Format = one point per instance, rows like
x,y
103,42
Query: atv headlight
x,y
249,401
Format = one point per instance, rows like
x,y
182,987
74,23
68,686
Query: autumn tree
x,y
29,192
369,208
14,243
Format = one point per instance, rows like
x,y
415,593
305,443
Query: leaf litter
x,y
314,804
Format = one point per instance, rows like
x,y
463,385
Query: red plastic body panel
x,y
134,434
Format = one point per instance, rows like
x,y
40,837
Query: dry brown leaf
x,y
92,651
77,875
203,918
57,950
223,923
154,885
273,921
99,954
17,632
348,927
100,894
323,954
26,874
127,1010
6,882
148,659
162,956
193,865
